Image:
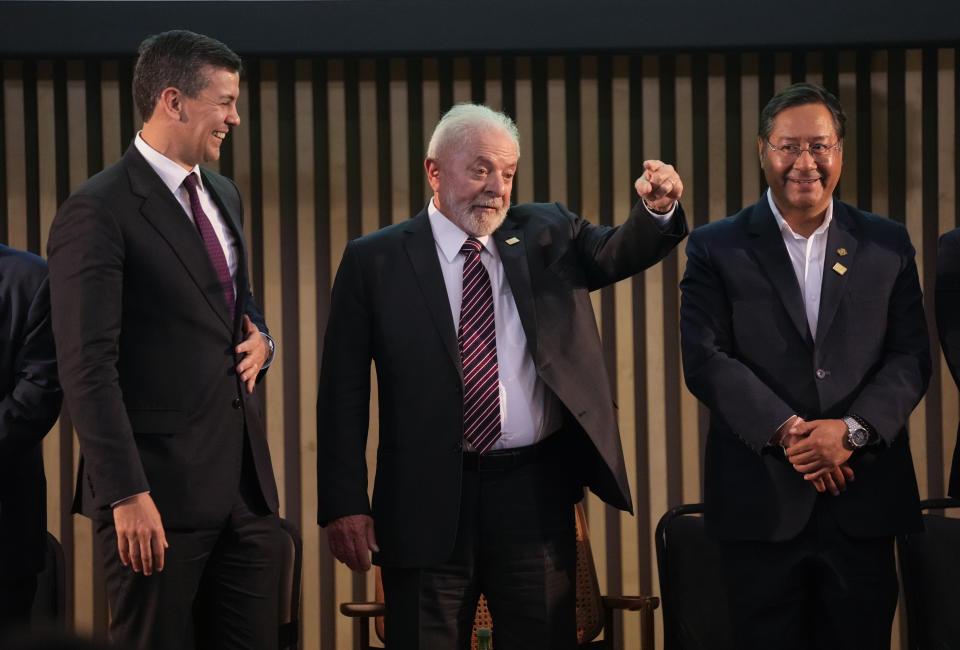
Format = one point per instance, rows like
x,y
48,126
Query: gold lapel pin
x,y
513,240
839,268
841,252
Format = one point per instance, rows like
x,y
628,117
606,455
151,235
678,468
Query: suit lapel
x,y
512,246
422,251
840,238
768,247
166,215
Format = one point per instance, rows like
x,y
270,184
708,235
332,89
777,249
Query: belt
x,y
506,459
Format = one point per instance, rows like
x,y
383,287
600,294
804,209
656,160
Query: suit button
x,y
236,403
821,373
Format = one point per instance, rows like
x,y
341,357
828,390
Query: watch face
x,y
858,437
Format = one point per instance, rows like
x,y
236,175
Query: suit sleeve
x,y
343,402
86,257
948,300
902,373
609,254
725,385
29,410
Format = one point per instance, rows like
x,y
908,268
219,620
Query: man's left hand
x,y
254,350
659,186
820,448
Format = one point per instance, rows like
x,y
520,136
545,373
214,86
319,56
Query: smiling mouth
x,y
804,181
220,135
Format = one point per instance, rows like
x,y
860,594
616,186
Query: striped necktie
x,y
212,243
478,353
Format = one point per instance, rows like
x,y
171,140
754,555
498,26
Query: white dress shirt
x,y
807,254
529,411
173,175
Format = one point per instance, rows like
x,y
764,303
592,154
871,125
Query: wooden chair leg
x,y
646,627
365,634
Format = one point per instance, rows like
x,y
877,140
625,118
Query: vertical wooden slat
x,y
31,156
539,130
288,174
926,246
323,610
4,236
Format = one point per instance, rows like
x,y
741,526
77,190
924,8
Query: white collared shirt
x,y
807,254
173,176
529,411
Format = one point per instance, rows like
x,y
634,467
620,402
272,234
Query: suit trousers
x,y
823,589
219,588
16,601
516,544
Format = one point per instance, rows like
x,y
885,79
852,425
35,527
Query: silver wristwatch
x,y
857,435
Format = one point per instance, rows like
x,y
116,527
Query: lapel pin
x,y
841,252
839,268
513,240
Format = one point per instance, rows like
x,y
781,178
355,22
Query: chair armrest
x,y
631,603
363,610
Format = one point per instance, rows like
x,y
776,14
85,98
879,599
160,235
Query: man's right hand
x,y
351,540
140,536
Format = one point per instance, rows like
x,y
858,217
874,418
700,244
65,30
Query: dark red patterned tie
x,y
210,240
478,353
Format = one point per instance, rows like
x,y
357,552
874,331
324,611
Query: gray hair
x,y
457,124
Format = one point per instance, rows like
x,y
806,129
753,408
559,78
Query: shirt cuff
x,y
780,433
663,218
273,350
119,501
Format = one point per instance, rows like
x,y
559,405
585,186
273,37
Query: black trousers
x,y
516,544
219,588
822,589
16,601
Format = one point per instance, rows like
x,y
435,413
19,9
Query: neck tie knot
x,y
191,181
471,247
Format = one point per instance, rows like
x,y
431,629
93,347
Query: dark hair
x,y
177,59
800,94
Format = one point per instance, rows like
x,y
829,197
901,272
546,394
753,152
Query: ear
x,y
171,104
432,167
761,149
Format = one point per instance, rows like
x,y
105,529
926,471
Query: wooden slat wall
x,y
330,149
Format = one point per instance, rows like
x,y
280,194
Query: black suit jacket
x,y
145,345
390,305
29,405
748,355
948,324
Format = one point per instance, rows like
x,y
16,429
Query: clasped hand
x,y
816,450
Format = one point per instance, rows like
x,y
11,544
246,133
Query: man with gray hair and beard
x,y
494,406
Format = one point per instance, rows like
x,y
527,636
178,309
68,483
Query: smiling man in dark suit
x,y
803,332
494,404
29,405
160,346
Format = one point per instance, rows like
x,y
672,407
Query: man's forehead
x,y
213,73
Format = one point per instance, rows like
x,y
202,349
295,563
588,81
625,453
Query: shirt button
x,y
821,373
236,403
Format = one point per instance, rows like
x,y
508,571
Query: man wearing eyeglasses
x,y
803,332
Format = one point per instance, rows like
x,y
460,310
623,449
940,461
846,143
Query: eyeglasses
x,y
821,152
